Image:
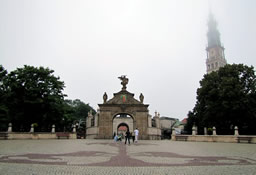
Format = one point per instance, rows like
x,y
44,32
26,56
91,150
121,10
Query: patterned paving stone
x,y
108,157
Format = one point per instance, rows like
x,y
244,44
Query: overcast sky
x,y
160,45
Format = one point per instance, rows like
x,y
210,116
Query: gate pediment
x,y
124,101
123,97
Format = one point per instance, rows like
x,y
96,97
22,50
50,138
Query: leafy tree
x,y
81,109
31,95
190,122
35,96
225,99
3,99
76,111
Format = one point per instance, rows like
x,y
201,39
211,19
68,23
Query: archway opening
x,y
121,123
122,128
123,116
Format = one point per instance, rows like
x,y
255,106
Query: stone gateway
x,y
121,113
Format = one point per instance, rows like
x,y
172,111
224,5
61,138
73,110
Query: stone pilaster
x,y
74,128
53,128
236,131
10,127
205,131
214,131
194,130
32,128
149,121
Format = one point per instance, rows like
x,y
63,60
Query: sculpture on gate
x,y
141,97
105,97
124,81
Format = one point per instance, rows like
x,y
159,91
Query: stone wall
x,y
154,133
166,123
105,125
23,135
92,132
141,122
214,138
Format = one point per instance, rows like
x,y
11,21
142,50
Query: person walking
x,y
133,137
127,137
136,133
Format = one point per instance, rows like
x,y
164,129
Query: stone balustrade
x,y
35,135
236,138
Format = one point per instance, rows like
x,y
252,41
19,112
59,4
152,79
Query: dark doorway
x,y
122,128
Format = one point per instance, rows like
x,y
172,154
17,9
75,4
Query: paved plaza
x,y
107,157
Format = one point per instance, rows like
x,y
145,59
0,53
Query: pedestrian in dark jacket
x,y
127,136
133,136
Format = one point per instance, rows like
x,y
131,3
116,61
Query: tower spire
x,y
213,33
215,50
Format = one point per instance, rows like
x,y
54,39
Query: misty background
x,y
159,45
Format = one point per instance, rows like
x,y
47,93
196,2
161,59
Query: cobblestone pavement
x,y
107,157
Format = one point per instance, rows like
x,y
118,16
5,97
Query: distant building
x,y
215,50
166,124
179,126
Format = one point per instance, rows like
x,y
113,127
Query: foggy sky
x,y
159,45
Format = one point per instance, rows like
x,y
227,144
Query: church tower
x,y
215,50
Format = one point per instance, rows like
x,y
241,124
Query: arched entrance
x,y
121,110
121,123
121,129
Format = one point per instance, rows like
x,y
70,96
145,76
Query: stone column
x,y
214,131
236,131
157,119
205,131
53,128
32,128
87,122
10,127
89,118
96,120
194,130
173,134
149,121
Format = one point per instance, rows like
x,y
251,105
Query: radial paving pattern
x,y
106,153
